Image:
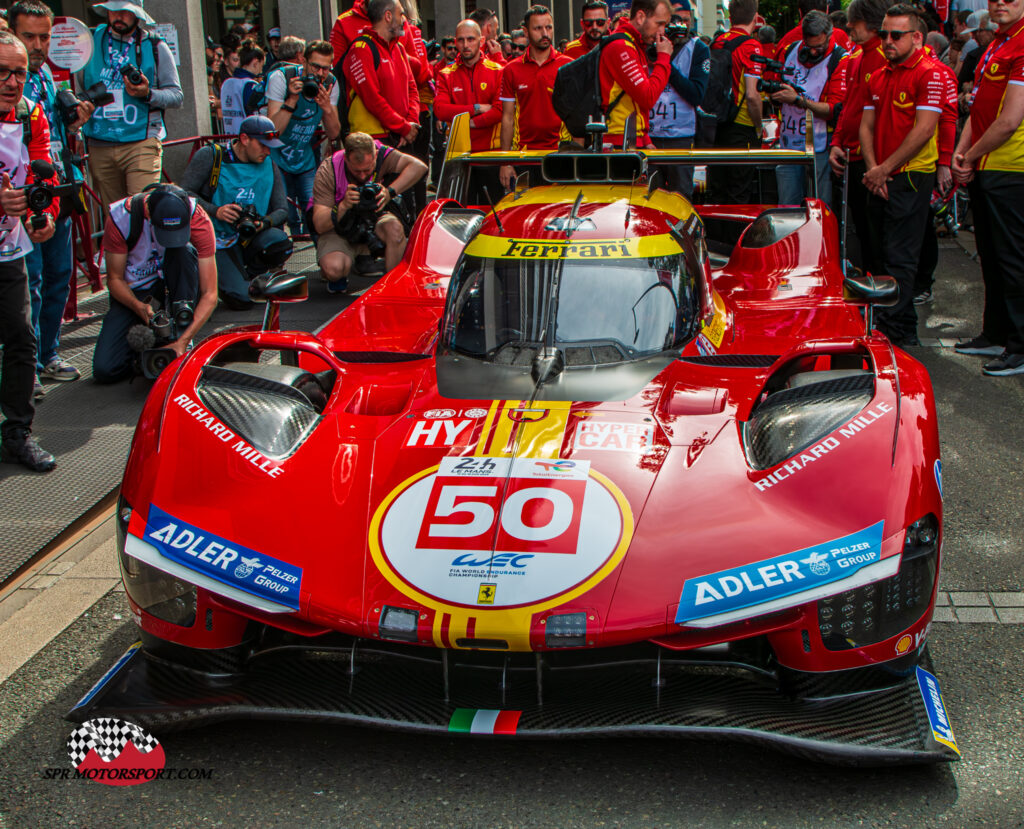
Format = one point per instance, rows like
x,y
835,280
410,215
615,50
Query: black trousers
x,y
997,199
866,256
113,359
925,278
678,177
734,185
18,338
895,235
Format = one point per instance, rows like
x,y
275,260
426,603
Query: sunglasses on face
x,y
519,47
595,21
895,35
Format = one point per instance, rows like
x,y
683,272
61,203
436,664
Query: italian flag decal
x,y
484,721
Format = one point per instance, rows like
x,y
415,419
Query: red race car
x,y
572,468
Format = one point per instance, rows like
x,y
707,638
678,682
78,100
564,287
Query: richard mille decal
x,y
225,435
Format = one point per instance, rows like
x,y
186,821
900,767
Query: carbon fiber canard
x,y
902,722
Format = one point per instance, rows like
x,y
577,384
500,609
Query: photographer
x,y
50,265
239,93
301,94
18,117
812,84
160,251
243,192
673,120
354,204
125,154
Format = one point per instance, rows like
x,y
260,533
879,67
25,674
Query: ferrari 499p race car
x,y
574,467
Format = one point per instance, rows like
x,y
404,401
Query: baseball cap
x,y
274,32
974,21
263,130
170,215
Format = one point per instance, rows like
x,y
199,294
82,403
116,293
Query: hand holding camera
x,y
34,198
135,83
76,110
248,223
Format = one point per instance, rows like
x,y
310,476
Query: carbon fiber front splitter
x,y
901,724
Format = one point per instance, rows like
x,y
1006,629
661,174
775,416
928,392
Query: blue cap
x,y
262,129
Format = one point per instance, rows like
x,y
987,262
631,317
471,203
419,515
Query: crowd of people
x,y
902,112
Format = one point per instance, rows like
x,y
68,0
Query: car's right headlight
x,y
789,421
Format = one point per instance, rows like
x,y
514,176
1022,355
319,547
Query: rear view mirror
x,y
282,287
871,290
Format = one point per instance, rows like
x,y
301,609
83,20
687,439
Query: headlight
x,y
262,403
792,419
155,591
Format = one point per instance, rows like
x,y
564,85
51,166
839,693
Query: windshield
x,y
605,312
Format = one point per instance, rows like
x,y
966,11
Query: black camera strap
x,y
136,221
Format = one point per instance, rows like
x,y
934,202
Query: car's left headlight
x,y
789,421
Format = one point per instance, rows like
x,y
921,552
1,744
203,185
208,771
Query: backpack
x,y
339,74
718,99
576,96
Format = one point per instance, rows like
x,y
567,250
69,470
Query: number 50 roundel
x,y
537,529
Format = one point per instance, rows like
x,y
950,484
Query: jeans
x,y
18,374
113,359
793,182
50,268
299,187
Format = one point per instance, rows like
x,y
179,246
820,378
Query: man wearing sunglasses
x,y
594,25
989,158
899,140
519,43
243,191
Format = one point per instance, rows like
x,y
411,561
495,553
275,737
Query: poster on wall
x,y
70,44
170,35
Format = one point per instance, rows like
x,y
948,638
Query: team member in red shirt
x,y
865,19
990,158
626,85
526,84
594,23
383,99
839,37
898,138
488,23
472,84
736,185
347,27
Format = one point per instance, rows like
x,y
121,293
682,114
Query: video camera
x,y
248,222
132,75
151,341
40,193
769,87
67,102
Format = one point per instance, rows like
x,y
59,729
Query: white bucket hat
x,y
124,6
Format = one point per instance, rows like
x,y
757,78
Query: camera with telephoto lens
x,y
248,222
771,87
152,341
40,193
132,75
67,102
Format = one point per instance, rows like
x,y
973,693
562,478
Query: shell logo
x,y
903,644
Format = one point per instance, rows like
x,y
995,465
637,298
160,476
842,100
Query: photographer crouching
x,y
162,273
243,191
357,202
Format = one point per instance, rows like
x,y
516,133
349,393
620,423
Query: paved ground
x,y
287,774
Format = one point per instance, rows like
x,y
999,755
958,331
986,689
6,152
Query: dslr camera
x,y
769,87
132,75
357,225
674,31
40,193
248,222
151,341
67,101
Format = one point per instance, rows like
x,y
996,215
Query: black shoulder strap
x,y
23,113
834,58
604,42
733,44
374,50
138,218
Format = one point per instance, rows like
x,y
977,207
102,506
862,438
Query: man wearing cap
x,y
160,249
124,137
241,94
226,182
273,41
16,239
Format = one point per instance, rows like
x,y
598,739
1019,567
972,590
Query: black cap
x,y
170,214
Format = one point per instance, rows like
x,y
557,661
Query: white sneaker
x,y
61,370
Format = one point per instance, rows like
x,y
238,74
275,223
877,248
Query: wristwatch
x,y
392,193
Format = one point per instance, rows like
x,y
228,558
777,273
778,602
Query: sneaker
x,y
979,345
21,447
1005,365
923,298
38,391
61,370
339,286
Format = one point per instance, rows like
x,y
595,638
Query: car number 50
x,y
453,500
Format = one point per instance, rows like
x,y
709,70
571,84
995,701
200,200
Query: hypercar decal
x,y
613,436
223,560
779,577
502,247
938,719
484,721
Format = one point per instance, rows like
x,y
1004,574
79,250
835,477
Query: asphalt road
x,y
312,775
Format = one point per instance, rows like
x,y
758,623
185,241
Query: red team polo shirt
x,y
623,69
1001,66
862,65
579,47
459,87
530,85
897,94
742,65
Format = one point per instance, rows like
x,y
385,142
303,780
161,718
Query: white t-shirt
x,y
277,86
